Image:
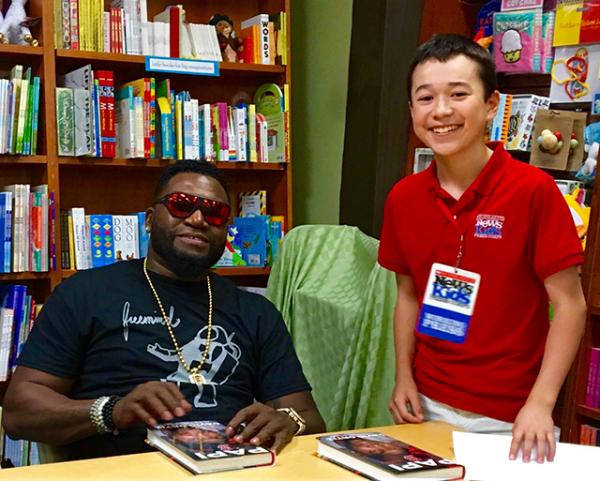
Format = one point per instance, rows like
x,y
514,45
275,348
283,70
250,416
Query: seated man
x,y
123,347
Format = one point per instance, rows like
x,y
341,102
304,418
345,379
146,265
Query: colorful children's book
x,y
517,41
203,447
253,203
252,239
377,456
232,255
269,102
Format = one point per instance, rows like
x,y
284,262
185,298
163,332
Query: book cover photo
x,y
377,456
203,447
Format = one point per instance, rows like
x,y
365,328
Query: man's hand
x,y
405,405
263,424
150,402
534,427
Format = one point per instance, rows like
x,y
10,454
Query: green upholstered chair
x,y
338,305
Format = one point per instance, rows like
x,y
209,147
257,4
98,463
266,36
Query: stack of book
x,y
592,391
514,122
27,229
147,119
19,112
97,240
124,28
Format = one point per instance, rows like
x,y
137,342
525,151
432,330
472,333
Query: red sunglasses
x,y
182,205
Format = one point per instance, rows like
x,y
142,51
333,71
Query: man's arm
x,y
533,425
264,423
405,390
37,408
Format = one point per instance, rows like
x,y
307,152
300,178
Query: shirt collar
x,y
485,182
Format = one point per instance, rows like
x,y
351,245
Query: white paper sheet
x,y
485,458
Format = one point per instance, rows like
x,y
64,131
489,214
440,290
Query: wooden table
x,y
296,462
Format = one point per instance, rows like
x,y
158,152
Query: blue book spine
x,y
2,229
143,236
102,240
14,300
6,235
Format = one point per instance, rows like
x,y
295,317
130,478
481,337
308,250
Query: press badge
x,y
448,303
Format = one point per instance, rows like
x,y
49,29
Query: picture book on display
x,y
203,447
376,456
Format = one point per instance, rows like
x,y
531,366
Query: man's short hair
x,y
201,167
445,47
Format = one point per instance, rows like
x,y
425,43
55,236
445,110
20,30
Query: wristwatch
x,y
101,414
299,420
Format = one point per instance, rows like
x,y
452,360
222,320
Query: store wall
x,y
320,54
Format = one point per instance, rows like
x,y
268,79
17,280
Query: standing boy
x,y
480,243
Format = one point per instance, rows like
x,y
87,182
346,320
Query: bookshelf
x,y
106,185
123,186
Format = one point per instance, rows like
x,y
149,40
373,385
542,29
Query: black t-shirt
x,y
103,329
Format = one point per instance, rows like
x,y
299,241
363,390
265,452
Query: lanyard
x,y
452,219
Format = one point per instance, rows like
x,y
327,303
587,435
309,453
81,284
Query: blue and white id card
x,y
448,303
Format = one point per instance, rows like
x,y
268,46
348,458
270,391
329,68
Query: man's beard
x,y
184,265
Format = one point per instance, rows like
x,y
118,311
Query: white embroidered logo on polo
x,y
488,226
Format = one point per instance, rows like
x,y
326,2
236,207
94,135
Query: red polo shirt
x,y
517,231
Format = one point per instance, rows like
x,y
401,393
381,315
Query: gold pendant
x,y
196,378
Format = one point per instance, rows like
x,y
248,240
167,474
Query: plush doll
x,y
14,28
229,43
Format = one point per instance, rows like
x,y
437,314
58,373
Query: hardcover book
x,y
377,456
203,447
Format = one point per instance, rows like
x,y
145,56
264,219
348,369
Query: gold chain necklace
x,y
195,376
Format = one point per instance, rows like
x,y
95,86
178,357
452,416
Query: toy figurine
x,y
15,26
230,44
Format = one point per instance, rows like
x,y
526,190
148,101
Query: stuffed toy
x,y
230,44
15,26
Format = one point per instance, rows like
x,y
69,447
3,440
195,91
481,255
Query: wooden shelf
x,y
588,412
24,276
19,50
224,67
243,271
161,163
222,271
22,159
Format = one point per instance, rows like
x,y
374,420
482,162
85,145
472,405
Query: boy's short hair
x,y
449,45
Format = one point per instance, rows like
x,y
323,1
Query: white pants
x,y
466,420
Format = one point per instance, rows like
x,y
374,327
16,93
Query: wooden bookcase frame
x,y
121,186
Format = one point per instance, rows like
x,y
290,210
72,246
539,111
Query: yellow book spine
x,y
179,128
71,243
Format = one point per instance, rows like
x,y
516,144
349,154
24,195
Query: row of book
x,y
147,119
514,122
124,28
592,391
27,229
18,311
97,240
19,112
589,435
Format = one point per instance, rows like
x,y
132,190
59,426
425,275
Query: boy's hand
x,y
405,404
534,428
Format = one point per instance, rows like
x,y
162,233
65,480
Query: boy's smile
x,y
448,107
